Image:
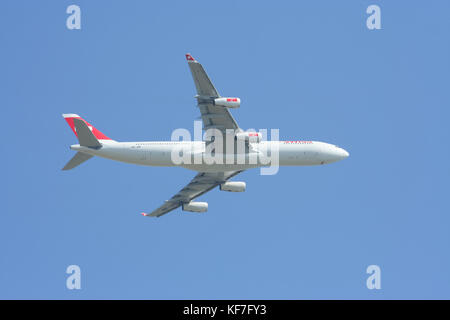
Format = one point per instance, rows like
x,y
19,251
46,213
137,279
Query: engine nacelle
x,y
195,206
228,102
233,186
249,136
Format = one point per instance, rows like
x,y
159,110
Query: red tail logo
x,y
69,118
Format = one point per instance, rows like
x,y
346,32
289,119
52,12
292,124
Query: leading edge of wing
x,y
199,185
213,116
203,83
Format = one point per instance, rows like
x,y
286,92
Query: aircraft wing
x,y
202,183
212,116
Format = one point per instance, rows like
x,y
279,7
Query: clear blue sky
x,y
310,68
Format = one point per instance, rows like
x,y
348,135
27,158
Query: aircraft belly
x,y
299,155
161,155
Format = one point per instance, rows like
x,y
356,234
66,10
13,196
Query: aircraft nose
x,y
334,153
344,153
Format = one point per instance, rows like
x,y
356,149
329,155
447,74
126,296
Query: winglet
x,y
190,58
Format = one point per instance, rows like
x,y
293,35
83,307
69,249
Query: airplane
x,y
216,116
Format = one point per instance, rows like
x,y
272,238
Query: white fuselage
x,y
264,153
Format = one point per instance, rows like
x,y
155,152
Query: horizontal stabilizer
x,y
77,159
85,135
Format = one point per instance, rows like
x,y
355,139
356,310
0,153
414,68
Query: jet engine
x,y
228,102
233,186
195,206
253,137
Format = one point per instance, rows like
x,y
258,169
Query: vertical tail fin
x,y
88,136
70,117
85,136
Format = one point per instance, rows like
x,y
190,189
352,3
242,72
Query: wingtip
x,y
190,58
144,214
